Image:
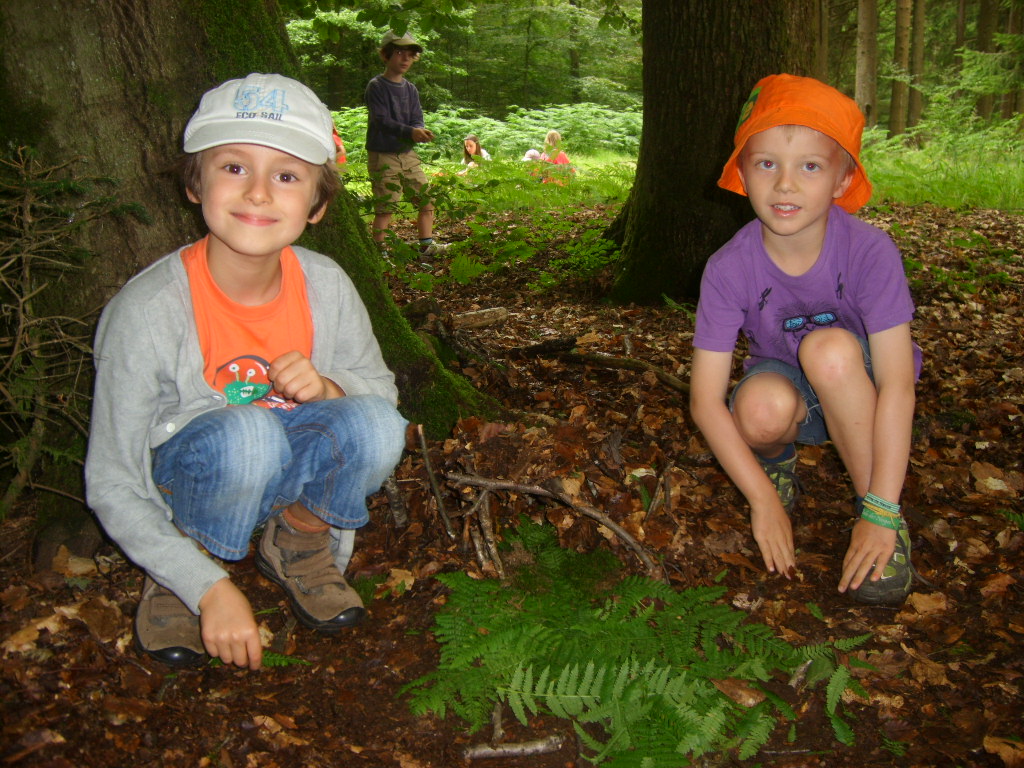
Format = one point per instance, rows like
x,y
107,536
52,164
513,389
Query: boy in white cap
x,y
823,302
394,126
239,383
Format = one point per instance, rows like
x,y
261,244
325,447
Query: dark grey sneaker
x,y
783,477
166,629
897,576
302,564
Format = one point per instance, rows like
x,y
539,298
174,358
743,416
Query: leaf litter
x,y
944,673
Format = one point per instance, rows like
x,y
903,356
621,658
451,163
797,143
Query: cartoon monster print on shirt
x,y
796,319
251,389
238,390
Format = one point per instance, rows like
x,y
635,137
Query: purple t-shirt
x,y
857,283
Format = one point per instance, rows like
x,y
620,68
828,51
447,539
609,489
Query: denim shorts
x,y
812,430
227,471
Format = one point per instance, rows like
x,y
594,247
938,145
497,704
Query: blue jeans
x,y
812,429
228,471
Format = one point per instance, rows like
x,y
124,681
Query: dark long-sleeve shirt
x,y
393,110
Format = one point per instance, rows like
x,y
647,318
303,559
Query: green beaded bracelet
x,y
881,512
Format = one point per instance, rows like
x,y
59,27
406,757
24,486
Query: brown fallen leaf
x,y
927,604
69,565
1010,751
739,691
25,638
997,584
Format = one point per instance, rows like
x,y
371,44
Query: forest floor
x,y
946,683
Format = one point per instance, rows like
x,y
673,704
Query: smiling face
x,y
792,175
255,200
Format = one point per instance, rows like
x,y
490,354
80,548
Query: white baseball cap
x,y
270,110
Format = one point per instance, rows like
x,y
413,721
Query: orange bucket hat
x,y
792,100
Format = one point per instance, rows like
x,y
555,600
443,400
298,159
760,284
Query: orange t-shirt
x,y
238,341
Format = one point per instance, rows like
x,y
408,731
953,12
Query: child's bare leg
x,y
425,222
833,361
768,411
380,226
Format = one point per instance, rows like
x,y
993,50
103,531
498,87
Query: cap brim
x,y
282,138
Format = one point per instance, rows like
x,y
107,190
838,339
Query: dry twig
x,y
583,509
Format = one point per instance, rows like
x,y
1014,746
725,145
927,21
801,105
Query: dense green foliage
x,y
486,56
638,668
587,128
951,158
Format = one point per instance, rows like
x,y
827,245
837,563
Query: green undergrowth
x,y
635,666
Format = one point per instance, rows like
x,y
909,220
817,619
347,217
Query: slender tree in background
x,y
988,18
701,58
1013,102
866,89
899,100
916,97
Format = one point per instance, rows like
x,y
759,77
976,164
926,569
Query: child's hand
x,y
870,544
228,627
295,378
773,533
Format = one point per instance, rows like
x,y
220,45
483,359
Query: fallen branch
x,y
535,747
583,509
433,483
626,363
396,503
549,347
479,318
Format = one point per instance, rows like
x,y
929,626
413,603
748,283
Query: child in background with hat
x,y
394,125
823,302
239,383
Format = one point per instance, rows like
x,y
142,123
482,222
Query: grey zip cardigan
x,y
150,384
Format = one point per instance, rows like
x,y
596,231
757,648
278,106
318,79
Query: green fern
x,y
629,662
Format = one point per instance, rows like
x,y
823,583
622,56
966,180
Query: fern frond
x,y
836,685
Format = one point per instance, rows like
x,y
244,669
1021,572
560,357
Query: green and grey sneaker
x,y
897,576
783,477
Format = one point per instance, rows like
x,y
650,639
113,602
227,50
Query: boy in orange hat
x,y
823,302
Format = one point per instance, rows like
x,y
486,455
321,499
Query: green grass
x,y
980,169
951,159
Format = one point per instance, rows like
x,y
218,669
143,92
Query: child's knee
x,y
830,356
246,441
374,429
765,411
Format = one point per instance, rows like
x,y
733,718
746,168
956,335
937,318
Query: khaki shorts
x,y
392,175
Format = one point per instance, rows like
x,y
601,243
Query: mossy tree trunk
x,y
701,58
114,81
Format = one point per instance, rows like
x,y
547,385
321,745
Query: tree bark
x,y
916,102
988,15
701,58
901,60
114,81
866,89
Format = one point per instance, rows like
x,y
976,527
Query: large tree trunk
x,y
113,82
867,60
701,58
